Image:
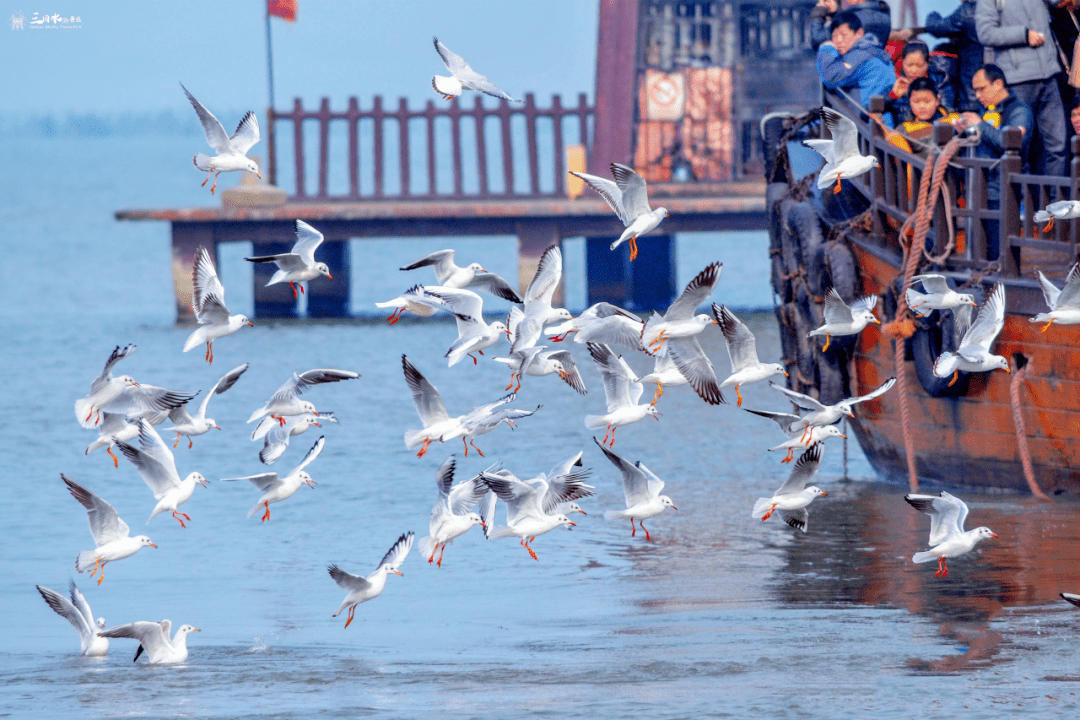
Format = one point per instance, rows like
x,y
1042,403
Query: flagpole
x,y
270,113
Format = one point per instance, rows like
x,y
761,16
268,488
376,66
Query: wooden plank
x,y
481,148
378,116
324,148
354,149
298,147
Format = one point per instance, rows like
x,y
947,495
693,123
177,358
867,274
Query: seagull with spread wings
x,y
286,400
844,319
742,350
231,151
641,488
360,588
77,612
297,265
453,514
974,354
842,157
530,511
822,414
793,496
123,396
622,390
157,467
188,425
276,437
462,76
797,438
110,532
208,302
629,198
275,488
936,295
473,277
1064,304
154,638
948,539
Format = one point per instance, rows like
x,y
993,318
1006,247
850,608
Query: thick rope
x,y
1019,375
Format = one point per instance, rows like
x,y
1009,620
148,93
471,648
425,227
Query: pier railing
x,y
506,151
892,192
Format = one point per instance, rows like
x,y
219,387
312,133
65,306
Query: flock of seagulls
x,y
125,412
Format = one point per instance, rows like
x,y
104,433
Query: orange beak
x,y
318,424
786,375
398,572
993,534
251,324
844,436
216,427
329,276
153,545
824,494
674,508
572,524
258,176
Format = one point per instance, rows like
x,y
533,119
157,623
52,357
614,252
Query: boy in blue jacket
x,y
853,61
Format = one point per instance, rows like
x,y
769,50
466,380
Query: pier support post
x,y
186,240
276,300
330,298
644,285
534,237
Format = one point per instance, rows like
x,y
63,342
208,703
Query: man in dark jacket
x,y
875,16
1002,109
1018,31
959,27
854,62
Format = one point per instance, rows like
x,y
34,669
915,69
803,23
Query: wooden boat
x,y
974,434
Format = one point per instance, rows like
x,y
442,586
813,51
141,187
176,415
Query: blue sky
x,y
128,55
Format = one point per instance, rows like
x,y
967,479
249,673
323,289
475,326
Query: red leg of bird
x,y
802,438
633,528
97,418
207,178
280,420
302,291
518,383
439,564
837,188
1049,225
266,515
633,249
608,432
190,444
466,444
97,566
944,568
177,440
768,515
1047,326
214,186
476,448
828,339
473,357
938,573
613,429
178,519
955,375
206,355
739,394
395,316
790,455
423,449
102,576
115,462
531,553
647,537
560,338
432,558
294,293
87,419
352,612
512,376
211,346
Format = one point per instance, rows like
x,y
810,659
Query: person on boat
x,y
1018,33
875,16
959,28
923,109
915,64
1002,109
1074,115
854,61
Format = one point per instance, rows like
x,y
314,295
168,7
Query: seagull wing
x,y
153,460
741,345
454,62
1070,293
804,401
837,311
225,382
323,375
116,356
695,295
877,392
566,487
868,303
522,500
494,284
429,404
989,322
105,524
635,196
635,481
805,467
443,260
82,605
313,453
246,135
845,135
572,375
348,581
784,420
400,550
67,610
465,495
208,294
547,277
947,514
932,283
613,370
151,635
696,367
262,481
215,132
608,190
307,239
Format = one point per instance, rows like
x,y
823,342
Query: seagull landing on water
x,y
361,589
842,157
231,151
1064,304
208,302
297,265
974,354
462,76
629,198
77,612
948,539
154,638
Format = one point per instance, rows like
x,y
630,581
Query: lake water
x,y
719,616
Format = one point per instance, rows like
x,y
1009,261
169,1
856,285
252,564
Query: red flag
x,y
285,9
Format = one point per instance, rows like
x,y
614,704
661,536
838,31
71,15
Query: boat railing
x,y
505,151
892,189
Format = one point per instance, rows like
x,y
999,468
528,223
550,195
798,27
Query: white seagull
x,y
110,532
483,420
842,157
793,496
361,589
286,402
77,612
115,427
622,391
417,301
664,373
276,437
602,323
641,488
297,265
974,354
157,467
526,327
275,489
462,76
539,361
827,414
231,151
452,515
936,295
948,539
526,516
1060,210
124,396
797,438
842,319
742,350
1064,304
474,276
676,335
629,198
474,335
188,425
154,638
208,302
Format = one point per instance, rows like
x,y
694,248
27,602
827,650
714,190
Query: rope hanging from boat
x,y
1018,377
